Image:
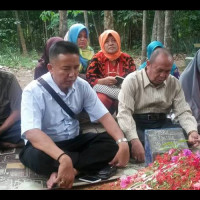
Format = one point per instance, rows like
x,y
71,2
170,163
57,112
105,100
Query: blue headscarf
x,y
72,36
74,32
150,48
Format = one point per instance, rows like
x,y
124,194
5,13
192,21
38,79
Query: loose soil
x,y
23,75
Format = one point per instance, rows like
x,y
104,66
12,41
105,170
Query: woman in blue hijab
x,y
150,48
79,34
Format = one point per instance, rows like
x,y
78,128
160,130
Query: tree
x,y
144,36
160,27
155,24
44,17
62,23
21,35
168,30
185,30
108,20
97,34
86,22
51,23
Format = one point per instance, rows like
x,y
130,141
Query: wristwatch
x,y
121,140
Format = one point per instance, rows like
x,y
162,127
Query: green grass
x,y
11,57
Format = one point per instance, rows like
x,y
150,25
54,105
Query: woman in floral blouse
x,y
108,63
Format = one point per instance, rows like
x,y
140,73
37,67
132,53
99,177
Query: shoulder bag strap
x,y
56,97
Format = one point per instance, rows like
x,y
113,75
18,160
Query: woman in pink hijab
x,y
108,63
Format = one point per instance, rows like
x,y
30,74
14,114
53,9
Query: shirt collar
x,y
147,81
52,83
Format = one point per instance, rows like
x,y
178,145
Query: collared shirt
x,y
39,109
10,95
138,95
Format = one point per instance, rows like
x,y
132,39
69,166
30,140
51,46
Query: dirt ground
x,y
25,76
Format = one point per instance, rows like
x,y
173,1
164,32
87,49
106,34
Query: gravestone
x,y
158,141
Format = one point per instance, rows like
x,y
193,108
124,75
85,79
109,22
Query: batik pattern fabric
x,y
100,64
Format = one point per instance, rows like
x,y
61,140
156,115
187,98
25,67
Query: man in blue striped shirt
x,y
55,145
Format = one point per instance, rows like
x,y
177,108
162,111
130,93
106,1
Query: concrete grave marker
x,y
158,141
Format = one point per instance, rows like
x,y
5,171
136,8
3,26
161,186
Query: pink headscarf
x,y
102,39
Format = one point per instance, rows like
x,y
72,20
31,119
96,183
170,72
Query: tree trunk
x,y
155,25
30,31
95,26
108,20
168,30
160,29
144,36
129,36
45,29
21,35
100,24
86,22
62,23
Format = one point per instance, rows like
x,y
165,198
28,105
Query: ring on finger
x,y
61,182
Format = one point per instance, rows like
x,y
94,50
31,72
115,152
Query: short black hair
x,y
63,47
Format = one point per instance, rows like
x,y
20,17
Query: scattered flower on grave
x,y
176,169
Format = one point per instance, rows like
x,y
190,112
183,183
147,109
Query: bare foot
x,y
51,182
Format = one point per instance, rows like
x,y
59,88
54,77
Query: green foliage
x,y
12,57
186,30
172,145
124,16
70,22
46,15
75,16
75,13
128,23
7,30
54,23
53,19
